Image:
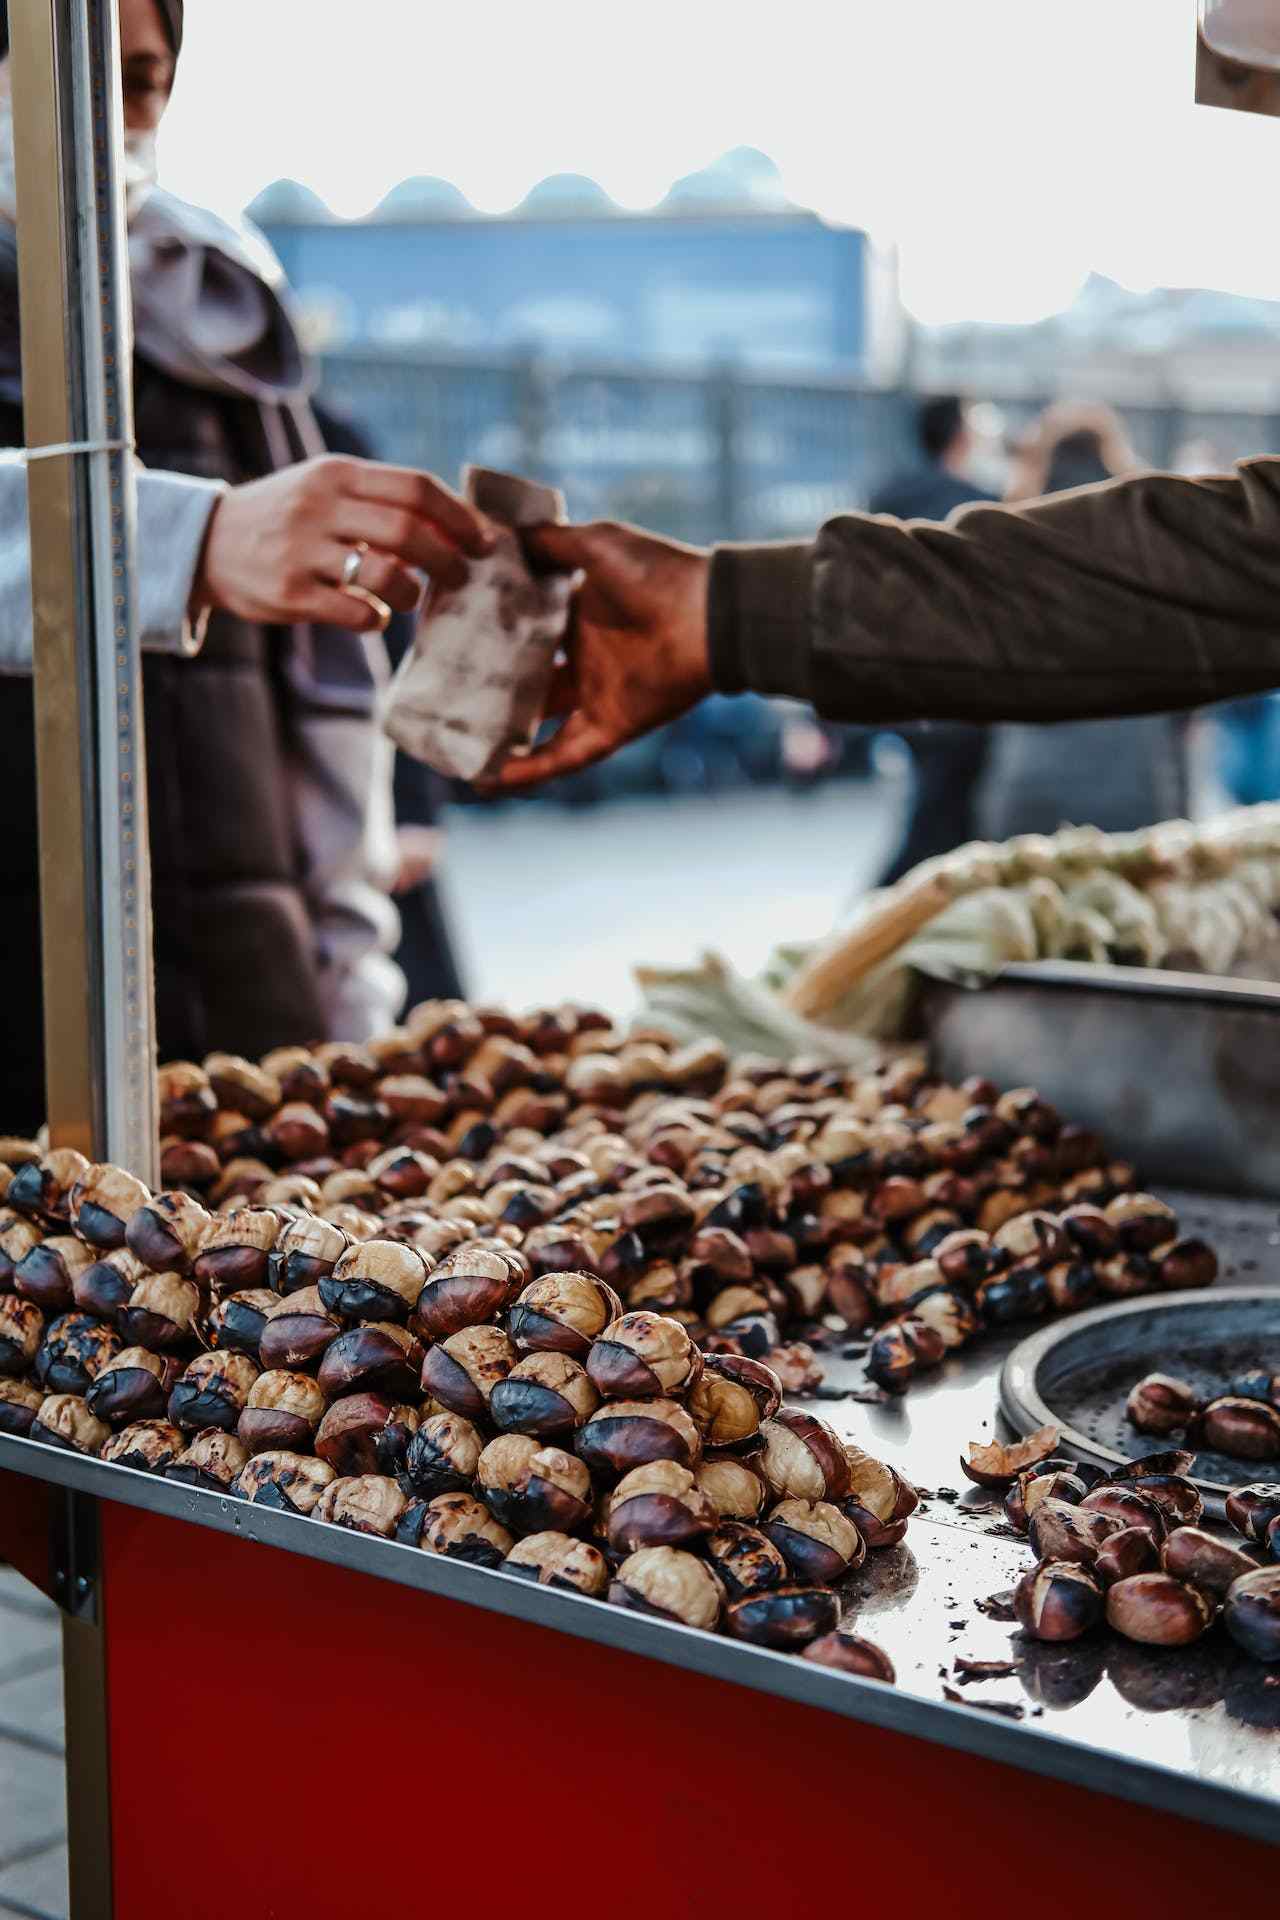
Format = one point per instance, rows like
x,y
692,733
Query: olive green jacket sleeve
x,y
1144,595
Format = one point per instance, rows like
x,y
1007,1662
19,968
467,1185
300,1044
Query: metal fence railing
x,y
719,455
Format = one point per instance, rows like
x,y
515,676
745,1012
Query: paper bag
x,y
474,684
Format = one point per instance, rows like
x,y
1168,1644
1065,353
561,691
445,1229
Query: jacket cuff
x,y
758,619
173,520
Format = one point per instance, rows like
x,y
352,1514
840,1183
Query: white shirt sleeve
x,y
173,518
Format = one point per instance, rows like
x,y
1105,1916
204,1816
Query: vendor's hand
x,y
275,548
636,649
418,851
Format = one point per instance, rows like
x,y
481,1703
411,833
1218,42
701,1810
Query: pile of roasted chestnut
x,y
1129,1548
454,1401
1243,1422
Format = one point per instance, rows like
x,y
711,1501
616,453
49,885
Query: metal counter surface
x,y
1195,1732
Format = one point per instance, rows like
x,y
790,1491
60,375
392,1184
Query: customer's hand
x,y
636,650
275,548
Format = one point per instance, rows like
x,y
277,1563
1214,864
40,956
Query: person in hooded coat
x,y
272,838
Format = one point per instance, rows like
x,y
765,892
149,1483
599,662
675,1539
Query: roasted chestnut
x,y
366,1433
166,1232
151,1446
43,1187
891,1358
134,1385
64,1420
563,1313
366,1503
1251,1613
281,1411
75,1349
672,1584
623,1434
102,1202
968,1257
1158,1610
21,1331
1072,1284
1178,1499
442,1456
819,1543
1186,1264
1124,1275
1142,1222
745,1559
291,1482
545,1393
1089,1229
19,1405
462,1371
1243,1429
214,1460
1062,1532
373,1358
643,1356
236,1323
533,1488
1037,1238
1161,1404
375,1280
105,1287
1058,1600
46,1272
878,1500
554,1560
1202,1558
1251,1510
1127,1507
658,1505
241,1087
236,1251
802,1458
1019,1293
305,1254
737,1489
17,1238
468,1289
1033,1486
785,1618
948,1315
849,1653
298,1332
462,1528
188,1103
213,1391
1121,1555
161,1312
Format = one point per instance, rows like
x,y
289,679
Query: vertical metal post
x,y
77,391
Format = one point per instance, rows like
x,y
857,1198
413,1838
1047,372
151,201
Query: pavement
x,y
33,1852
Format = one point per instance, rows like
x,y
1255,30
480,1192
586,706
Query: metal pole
x,y
95,881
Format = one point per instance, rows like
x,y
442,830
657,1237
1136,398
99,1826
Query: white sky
x,y
1007,146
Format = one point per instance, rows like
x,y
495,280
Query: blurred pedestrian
x,y
948,757
1113,774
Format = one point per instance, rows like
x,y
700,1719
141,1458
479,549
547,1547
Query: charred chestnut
x,y
891,1358
849,1653
1061,1532
545,1393
623,1434
280,1411
948,1315
1019,1293
563,1313
166,1232
1161,1404
373,1358
43,1187
785,1618
1072,1284
188,1103
151,1446
290,1482
1058,1600
47,1271
1142,1222
236,1251
1201,1558
298,1332
1089,1229
213,1460
462,1528
468,1289
73,1353
212,1392
236,1323
366,1503
554,1560
1127,1507
1158,1610
102,1202
530,1487
376,1280
671,1584
366,1433
1251,1510
658,1505
105,1287
1038,1238
161,1312
1187,1264
19,1405
64,1420
819,1543
462,1371
643,1356
1033,1486
803,1458
968,1257
21,1331
1243,1429
442,1456
1251,1613
134,1385
732,1398
737,1489
745,1559
1121,1555
305,1254
1179,1500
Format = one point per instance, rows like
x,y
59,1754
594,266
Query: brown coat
x,y
1144,595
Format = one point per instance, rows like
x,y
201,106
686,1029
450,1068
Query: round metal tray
x,y
1077,1373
